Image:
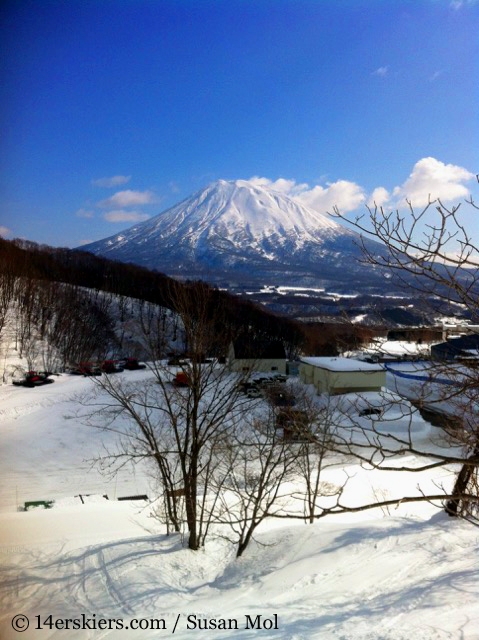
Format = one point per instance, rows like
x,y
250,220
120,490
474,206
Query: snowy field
x,y
405,573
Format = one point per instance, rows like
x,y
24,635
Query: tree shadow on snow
x,y
97,578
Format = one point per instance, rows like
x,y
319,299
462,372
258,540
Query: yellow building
x,y
341,375
247,355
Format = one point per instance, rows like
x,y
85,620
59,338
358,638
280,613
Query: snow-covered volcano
x,y
239,231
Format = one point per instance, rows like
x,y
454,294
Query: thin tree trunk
x,y
454,507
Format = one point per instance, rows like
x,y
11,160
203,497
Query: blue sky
x,y
113,110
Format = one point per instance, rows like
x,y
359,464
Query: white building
x,y
341,375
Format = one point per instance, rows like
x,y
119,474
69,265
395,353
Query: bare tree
x,y
135,414
254,470
432,252
26,299
312,424
7,292
79,324
181,416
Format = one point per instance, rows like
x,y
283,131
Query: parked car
x,y
131,364
111,366
86,369
33,379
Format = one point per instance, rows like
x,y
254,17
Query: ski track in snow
x,y
332,581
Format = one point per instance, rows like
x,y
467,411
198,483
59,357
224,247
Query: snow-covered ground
x,y
404,573
396,348
435,387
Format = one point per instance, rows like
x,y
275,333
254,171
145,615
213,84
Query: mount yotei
x,y
237,232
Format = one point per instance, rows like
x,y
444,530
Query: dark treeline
x,y
25,259
41,262
333,338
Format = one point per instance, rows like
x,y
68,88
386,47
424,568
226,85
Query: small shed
x,y
341,375
253,354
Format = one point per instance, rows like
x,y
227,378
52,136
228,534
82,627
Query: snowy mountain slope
x,y
237,229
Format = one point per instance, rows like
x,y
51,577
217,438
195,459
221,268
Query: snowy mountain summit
x,y
238,231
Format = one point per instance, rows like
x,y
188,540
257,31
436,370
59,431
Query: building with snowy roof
x,y
254,354
460,348
341,375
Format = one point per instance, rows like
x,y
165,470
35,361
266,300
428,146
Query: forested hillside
x,y
72,300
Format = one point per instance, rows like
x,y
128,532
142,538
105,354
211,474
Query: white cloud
x,y
109,183
288,187
128,198
432,179
85,213
379,197
343,193
120,215
455,257
381,71
5,232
